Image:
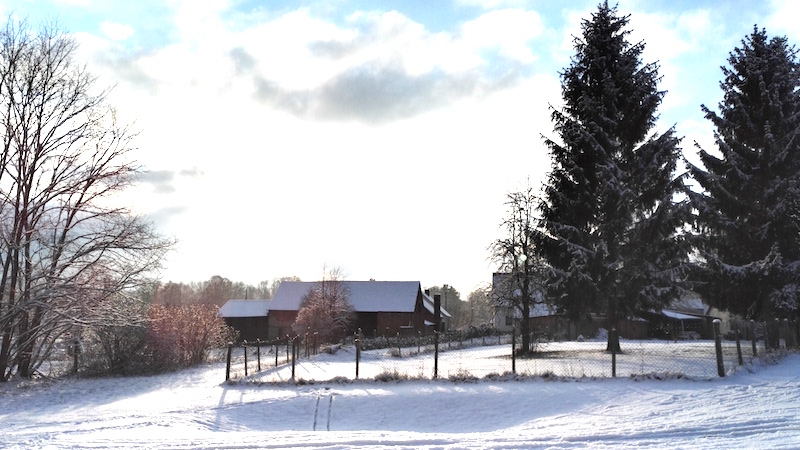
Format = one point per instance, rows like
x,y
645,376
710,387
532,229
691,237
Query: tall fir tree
x,y
748,215
610,224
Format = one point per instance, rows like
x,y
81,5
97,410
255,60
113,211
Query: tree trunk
x,y
525,327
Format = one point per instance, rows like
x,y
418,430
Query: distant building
x,y
381,307
248,317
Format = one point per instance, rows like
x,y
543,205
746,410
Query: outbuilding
x,y
249,317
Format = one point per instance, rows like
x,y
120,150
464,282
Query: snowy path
x,y
192,409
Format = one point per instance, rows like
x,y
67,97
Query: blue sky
x,y
377,136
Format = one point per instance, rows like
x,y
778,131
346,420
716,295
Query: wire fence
x,y
466,356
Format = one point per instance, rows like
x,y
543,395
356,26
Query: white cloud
x,y
510,31
783,19
493,4
73,2
116,31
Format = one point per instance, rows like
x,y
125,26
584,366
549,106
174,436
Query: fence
x,y
463,355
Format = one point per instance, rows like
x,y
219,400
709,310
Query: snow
x,y
491,357
754,408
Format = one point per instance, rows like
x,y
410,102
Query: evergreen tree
x,y
748,217
610,224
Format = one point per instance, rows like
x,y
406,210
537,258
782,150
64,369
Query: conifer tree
x,y
748,215
610,225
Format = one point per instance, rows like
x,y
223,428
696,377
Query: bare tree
x,y
481,309
325,309
523,271
64,246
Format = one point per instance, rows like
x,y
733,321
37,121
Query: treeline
x,y
215,291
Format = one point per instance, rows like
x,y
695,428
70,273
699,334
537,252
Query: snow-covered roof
x,y
427,302
677,315
364,296
244,308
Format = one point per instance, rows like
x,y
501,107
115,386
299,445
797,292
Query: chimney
x,y
437,311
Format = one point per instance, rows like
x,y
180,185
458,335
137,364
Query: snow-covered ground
x,y
694,359
757,407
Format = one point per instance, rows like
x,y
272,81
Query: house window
x,y
509,321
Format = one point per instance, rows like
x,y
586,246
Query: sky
x,y
378,137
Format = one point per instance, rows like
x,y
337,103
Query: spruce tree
x,y
748,215
610,225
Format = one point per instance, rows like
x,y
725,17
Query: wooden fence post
x,y
399,352
739,348
436,354
718,346
513,351
244,345
76,350
228,365
753,337
294,353
788,335
614,338
258,352
358,353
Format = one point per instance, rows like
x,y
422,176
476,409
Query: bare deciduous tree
x,y
64,245
515,254
325,309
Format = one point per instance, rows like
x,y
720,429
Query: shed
x,y
249,317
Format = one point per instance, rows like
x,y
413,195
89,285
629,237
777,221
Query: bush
x,y
181,335
153,338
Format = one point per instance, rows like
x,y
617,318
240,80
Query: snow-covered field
x,y
696,359
756,407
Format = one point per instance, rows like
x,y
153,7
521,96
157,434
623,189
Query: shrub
x,y
140,338
181,335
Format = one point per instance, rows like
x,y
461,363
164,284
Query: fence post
x,y
228,365
288,342
294,353
399,352
258,352
277,350
419,337
513,351
788,335
796,332
753,337
614,338
358,353
244,345
718,346
739,348
76,350
435,354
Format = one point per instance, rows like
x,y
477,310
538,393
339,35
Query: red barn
x,y
381,307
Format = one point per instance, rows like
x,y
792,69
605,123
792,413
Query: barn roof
x,y
364,296
244,308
